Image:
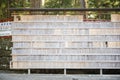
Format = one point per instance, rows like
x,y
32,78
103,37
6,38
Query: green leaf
x,y
3,5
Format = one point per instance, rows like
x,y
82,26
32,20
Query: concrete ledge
x,y
56,77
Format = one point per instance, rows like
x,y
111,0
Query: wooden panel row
x,y
66,44
77,58
45,51
39,25
66,38
61,65
48,18
73,31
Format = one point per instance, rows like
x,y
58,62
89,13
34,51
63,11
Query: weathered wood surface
x,y
115,17
64,42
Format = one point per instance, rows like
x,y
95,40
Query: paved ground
x,y
9,76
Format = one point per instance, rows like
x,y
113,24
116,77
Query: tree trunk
x,y
36,3
82,3
83,6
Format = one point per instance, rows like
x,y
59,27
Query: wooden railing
x,y
6,20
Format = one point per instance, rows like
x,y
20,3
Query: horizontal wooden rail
x,y
5,36
64,9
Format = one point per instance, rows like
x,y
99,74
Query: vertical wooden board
x,y
115,18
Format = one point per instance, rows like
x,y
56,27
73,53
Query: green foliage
x,y
58,3
5,45
5,51
62,3
20,4
3,6
103,3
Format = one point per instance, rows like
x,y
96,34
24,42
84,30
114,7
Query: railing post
x,y
115,17
101,72
10,64
29,72
64,71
